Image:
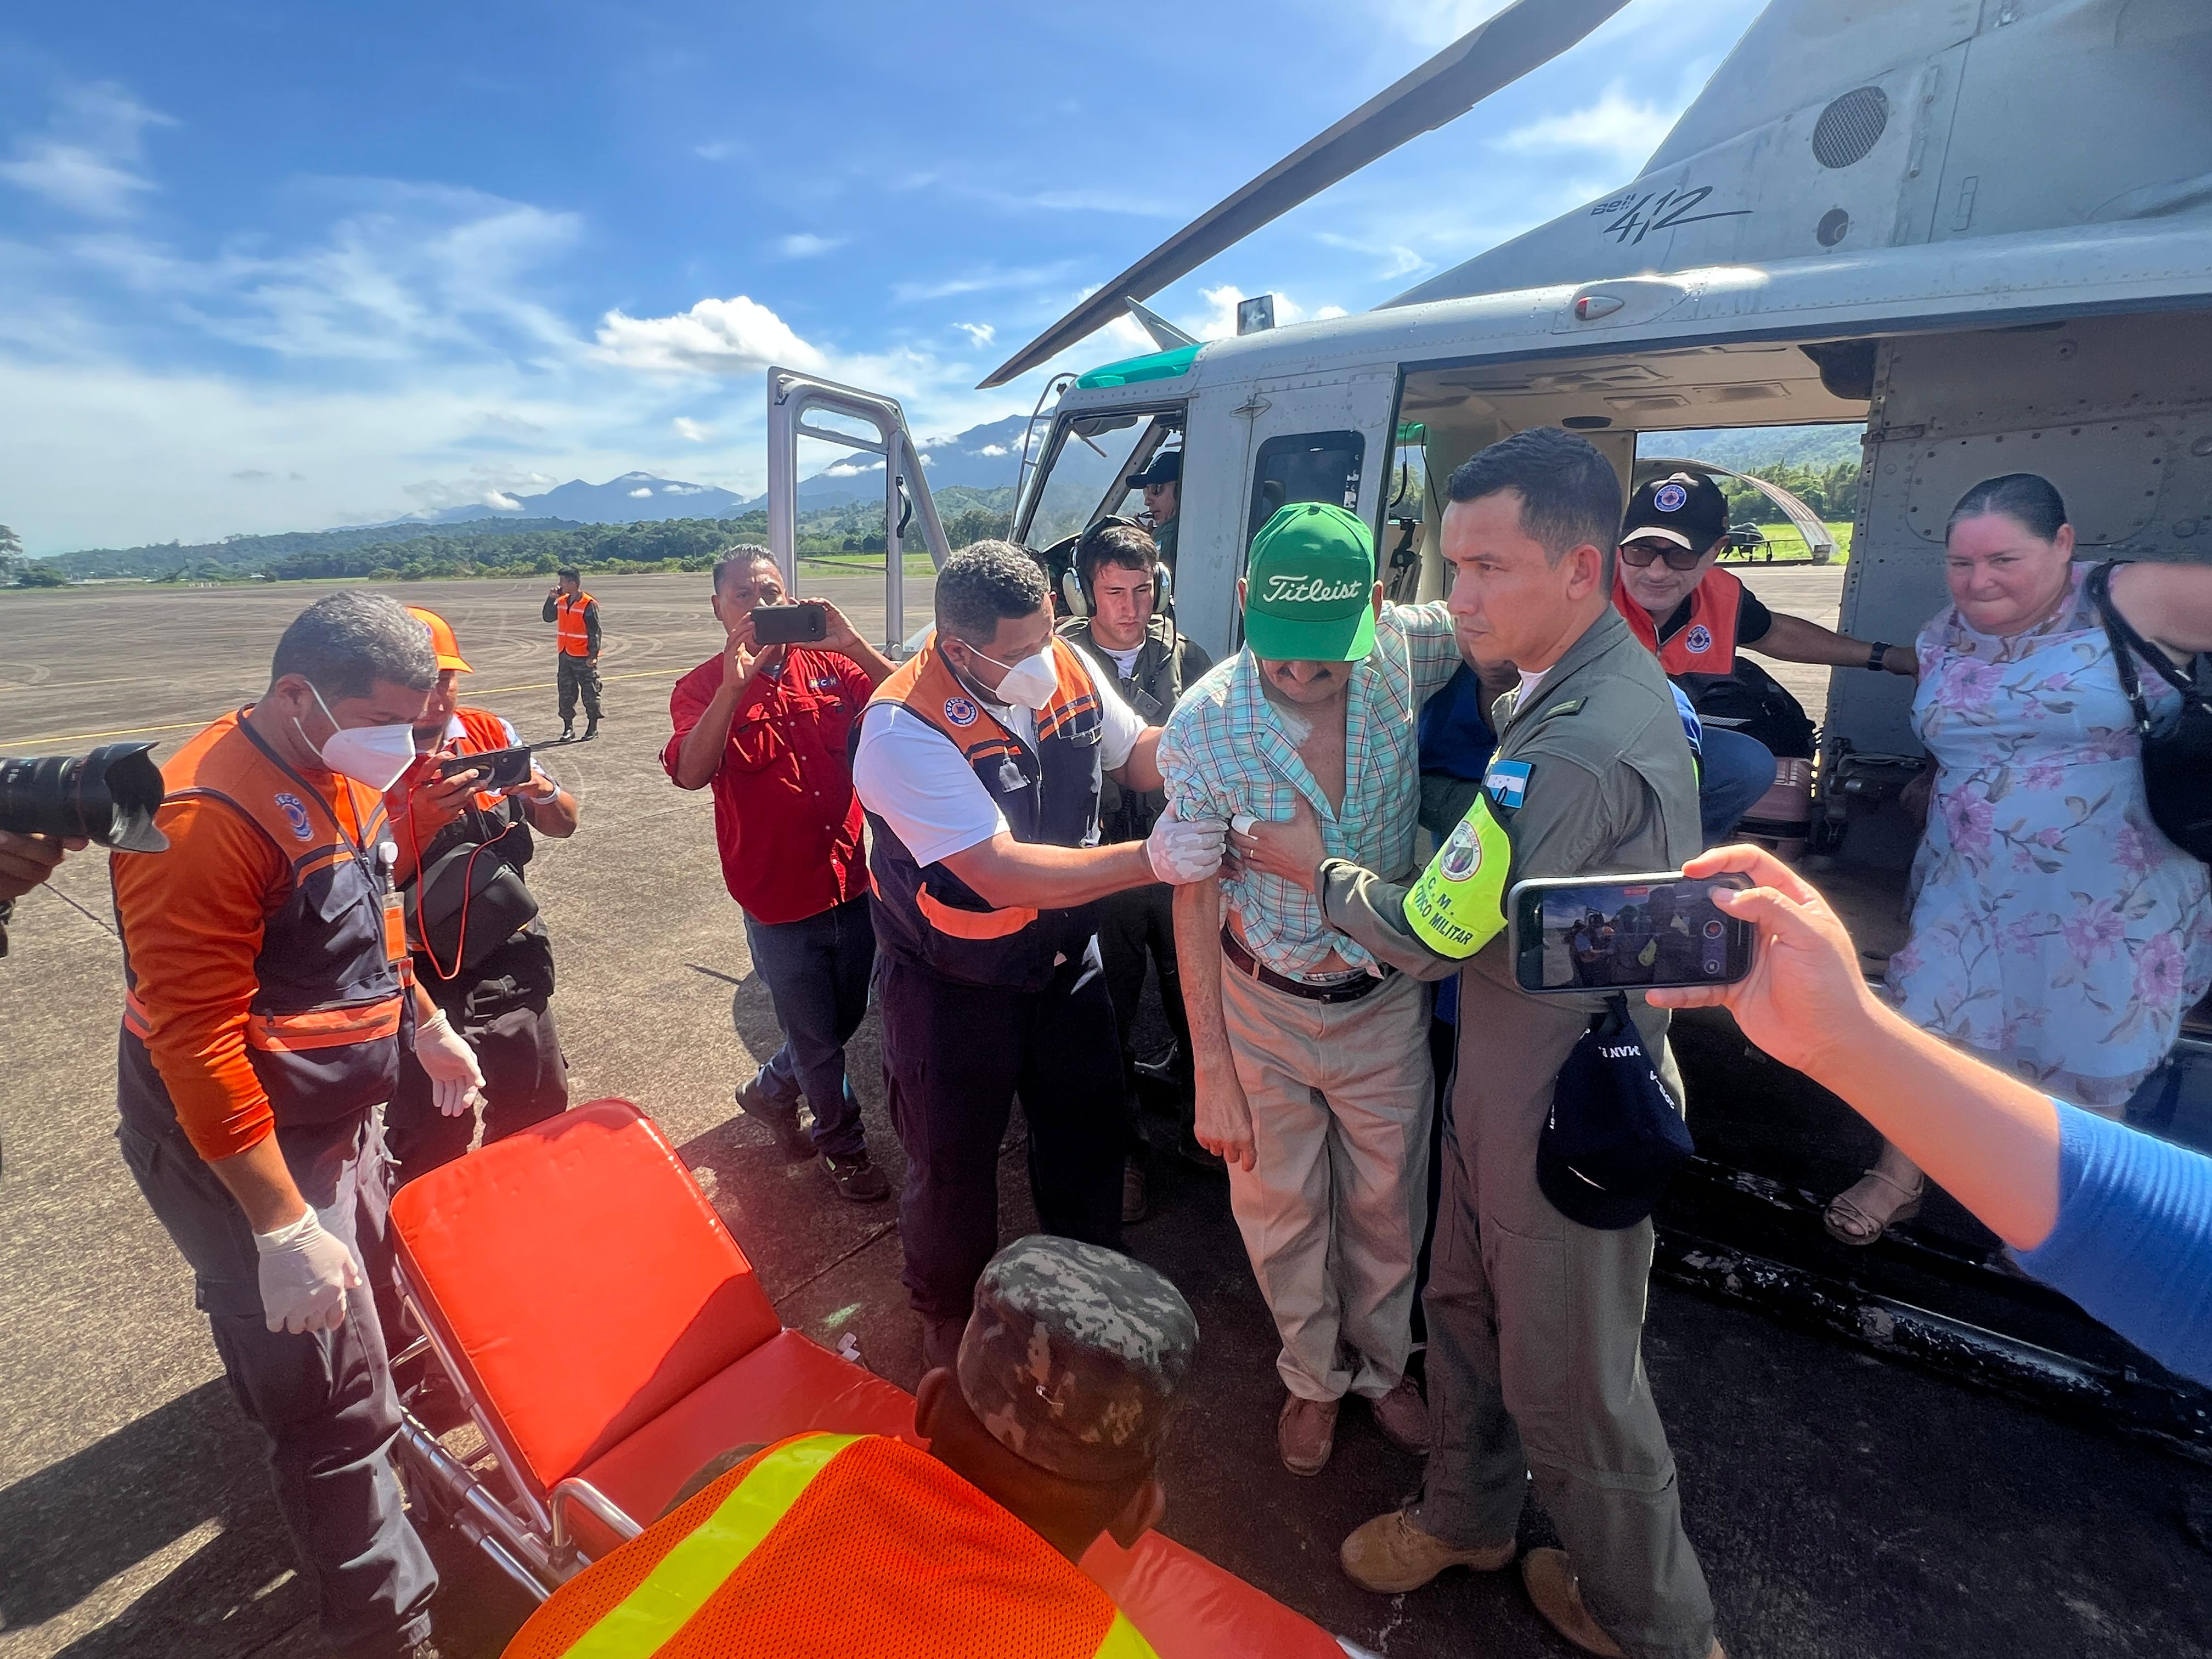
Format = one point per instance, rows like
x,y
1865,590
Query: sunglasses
x,y
1641,554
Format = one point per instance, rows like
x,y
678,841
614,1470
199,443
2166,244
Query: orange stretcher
x,y
603,1329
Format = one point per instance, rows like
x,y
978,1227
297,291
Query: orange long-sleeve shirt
x,y
193,919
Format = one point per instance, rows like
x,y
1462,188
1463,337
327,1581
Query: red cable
x,y
468,888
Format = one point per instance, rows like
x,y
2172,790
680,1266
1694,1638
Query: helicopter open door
x,y
792,396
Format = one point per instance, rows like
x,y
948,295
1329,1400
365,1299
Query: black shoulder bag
x,y
2177,761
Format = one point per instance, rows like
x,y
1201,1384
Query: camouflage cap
x,y
1074,1356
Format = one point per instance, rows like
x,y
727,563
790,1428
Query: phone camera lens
x,y
1713,930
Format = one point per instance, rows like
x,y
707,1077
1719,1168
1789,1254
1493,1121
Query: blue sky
x,y
271,267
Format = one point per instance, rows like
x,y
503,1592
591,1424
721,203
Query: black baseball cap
x,y
1613,1139
1687,509
1164,468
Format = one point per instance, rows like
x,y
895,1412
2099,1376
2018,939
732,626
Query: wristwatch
x,y
1875,654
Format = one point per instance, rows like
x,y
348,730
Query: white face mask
x,y
374,755
1029,682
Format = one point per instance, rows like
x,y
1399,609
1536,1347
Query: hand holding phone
x,y
803,624
1586,933
497,768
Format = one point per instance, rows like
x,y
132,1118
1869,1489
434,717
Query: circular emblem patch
x,y
960,711
295,814
1698,639
1462,853
1671,498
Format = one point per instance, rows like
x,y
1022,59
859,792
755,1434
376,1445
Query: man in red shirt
x,y
767,727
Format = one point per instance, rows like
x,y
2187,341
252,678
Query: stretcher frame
x,y
534,1541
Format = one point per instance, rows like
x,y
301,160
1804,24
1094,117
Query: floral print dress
x,y
2056,932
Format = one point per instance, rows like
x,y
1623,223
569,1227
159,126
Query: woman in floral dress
x,y
2055,931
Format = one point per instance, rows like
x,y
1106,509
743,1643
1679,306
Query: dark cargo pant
x,y
324,1400
579,675
1135,925
1535,1355
525,1082
954,1058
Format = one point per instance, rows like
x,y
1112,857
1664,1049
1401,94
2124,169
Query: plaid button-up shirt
x,y
1226,750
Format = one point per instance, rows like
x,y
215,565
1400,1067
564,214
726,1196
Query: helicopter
x,y
1982,230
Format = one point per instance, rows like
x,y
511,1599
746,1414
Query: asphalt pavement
x,y
1844,1506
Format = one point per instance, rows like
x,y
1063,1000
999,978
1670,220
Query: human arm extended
x,y
2169,604
549,809
2117,1220
1006,873
695,754
1224,1116
845,640
1792,639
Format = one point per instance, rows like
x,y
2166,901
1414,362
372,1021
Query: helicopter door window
x,y
1305,466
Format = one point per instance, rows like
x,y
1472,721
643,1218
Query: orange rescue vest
x,y
833,1546
330,998
1707,645
569,613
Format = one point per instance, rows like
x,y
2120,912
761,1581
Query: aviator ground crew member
x,y
267,1004
979,764
500,1003
1535,1320
577,614
1151,662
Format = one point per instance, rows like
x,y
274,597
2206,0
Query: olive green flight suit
x,y
1536,1322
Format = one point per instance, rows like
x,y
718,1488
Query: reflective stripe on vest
x,y
576,638
1707,644
680,1583
686,1601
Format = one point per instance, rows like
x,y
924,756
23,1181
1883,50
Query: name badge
x,y
1508,781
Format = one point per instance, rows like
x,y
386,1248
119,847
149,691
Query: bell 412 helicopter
x,y
1981,228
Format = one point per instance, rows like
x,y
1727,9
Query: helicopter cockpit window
x,y
1305,466
1086,471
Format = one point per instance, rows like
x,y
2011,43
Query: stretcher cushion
x,y
786,1386
1189,1608
580,1279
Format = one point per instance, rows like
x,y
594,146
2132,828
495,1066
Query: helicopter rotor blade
x,y
1524,36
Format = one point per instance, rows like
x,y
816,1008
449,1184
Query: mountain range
x,y
981,457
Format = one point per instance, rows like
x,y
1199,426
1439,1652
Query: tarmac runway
x,y
1843,1507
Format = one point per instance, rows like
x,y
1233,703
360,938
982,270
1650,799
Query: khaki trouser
x,y
1536,1361
1334,1209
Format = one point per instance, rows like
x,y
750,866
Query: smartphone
x,y
502,768
791,624
1625,932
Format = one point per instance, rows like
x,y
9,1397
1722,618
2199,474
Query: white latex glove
x,y
1183,853
456,1081
305,1276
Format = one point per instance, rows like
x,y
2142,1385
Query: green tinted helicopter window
x,y
1305,466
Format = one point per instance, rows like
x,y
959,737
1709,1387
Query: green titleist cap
x,y
1309,591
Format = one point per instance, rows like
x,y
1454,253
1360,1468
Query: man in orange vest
x,y
1694,616
498,998
267,1004
1043,1435
577,614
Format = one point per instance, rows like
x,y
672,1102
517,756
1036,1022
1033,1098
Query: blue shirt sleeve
x,y
2133,1241
1455,738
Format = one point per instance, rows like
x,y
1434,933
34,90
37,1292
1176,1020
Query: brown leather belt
x,y
1344,991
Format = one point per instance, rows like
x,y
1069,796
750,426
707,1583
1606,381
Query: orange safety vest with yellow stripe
x,y
330,1000
833,1546
575,637
1049,795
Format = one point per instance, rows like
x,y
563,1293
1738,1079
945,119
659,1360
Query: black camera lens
x,y
109,796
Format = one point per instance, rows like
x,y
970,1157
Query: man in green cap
x,y
1312,1058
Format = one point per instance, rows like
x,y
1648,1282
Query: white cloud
x,y
993,450
1218,321
683,490
736,336
851,469
641,493
981,334
1617,128
500,500
88,161
690,431
805,244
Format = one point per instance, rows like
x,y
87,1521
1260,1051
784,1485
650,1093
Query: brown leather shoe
x,y
1306,1433
1550,1578
1403,1417
1391,1554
